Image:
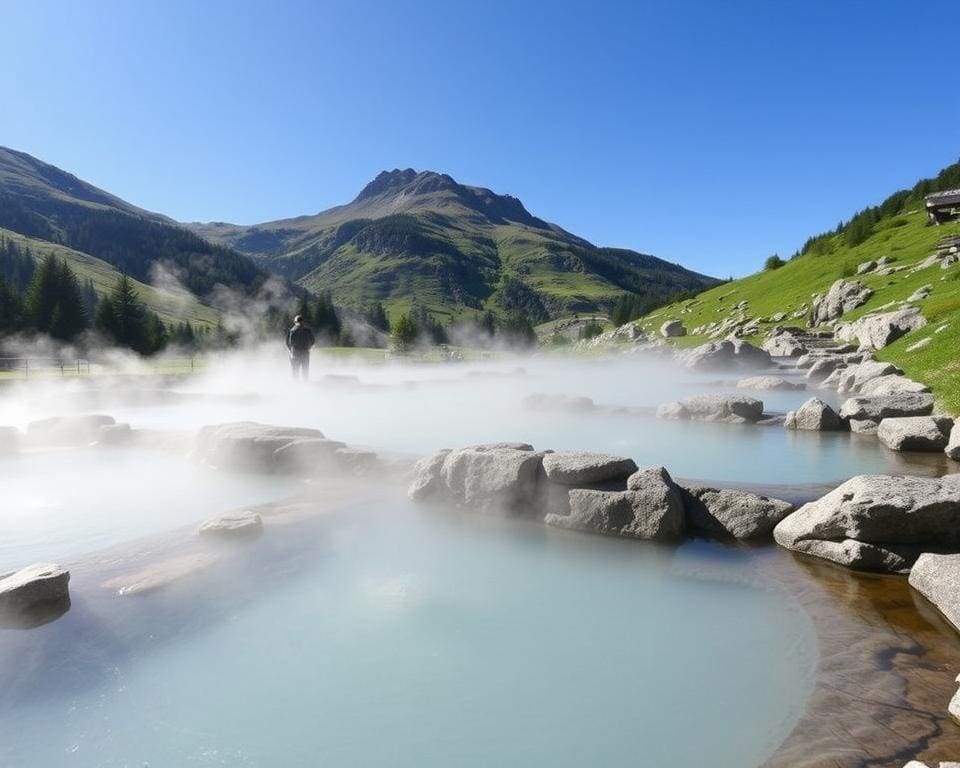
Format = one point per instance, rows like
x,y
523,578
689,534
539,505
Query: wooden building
x,y
943,206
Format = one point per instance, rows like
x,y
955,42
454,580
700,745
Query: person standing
x,y
300,339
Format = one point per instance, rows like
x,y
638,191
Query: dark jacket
x,y
299,339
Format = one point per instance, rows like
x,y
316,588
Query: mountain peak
x,y
407,180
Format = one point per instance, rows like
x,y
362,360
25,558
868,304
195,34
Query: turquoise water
x,y
420,641
58,505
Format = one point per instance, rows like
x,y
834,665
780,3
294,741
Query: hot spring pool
x,y
61,504
411,639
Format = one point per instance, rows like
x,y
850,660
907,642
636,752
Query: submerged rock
x,y
651,508
915,433
813,415
876,522
732,409
234,525
770,382
32,587
726,512
937,578
586,468
67,430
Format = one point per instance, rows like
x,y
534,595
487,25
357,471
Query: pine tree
x,y
376,316
123,318
11,308
54,304
157,334
404,333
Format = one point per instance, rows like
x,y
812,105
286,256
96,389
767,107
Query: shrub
x,y
773,262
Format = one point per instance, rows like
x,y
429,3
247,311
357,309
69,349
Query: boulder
x,y
731,409
842,297
314,455
9,440
953,445
921,293
863,426
876,522
876,331
585,468
652,508
556,402
868,371
428,477
356,461
823,367
783,345
770,382
954,707
881,407
723,355
499,477
672,328
915,433
234,525
67,430
891,385
866,266
937,578
813,415
249,446
732,513
32,587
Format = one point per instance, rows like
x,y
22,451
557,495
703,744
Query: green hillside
x,y
173,306
897,229
423,238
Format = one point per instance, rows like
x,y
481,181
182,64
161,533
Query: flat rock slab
x,y
770,383
882,407
33,586
915,433
161,574
586,468
877,522
234,525
732,513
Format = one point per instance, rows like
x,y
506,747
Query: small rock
x,y
234,525
922,344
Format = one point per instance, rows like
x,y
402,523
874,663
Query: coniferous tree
x,y
54,304
123,318
376,316
157,334
404,333
11,308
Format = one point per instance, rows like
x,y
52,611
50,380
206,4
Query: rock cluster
x,y
590,492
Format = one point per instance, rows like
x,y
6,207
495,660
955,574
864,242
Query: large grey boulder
x,y
813,415
672,328
731,409
876,331
953,445
651,508
877,522
249,446
770,383
67,430
824,367
723,355
233,525
428,477
495,478
869,370
892,385
842,297
937,578
783,345
586,468
887,406
732,513
915,433
33,586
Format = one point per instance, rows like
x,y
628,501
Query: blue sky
x,y
708,133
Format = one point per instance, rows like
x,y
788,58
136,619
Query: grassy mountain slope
x,y
422,237
173,306
42,202
902,233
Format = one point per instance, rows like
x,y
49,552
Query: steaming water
x,y
60,504
422,642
